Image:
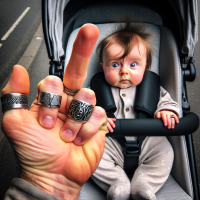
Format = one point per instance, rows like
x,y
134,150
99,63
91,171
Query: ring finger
x,y
172,123
72,126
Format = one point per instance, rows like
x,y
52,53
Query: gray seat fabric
x,y
165,63
171,79
170,190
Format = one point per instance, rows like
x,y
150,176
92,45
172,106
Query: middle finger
x,y
172,123
76,69
168,121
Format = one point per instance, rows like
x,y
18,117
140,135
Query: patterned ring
x,y
50,100
80,110
172,116
70,92
14,100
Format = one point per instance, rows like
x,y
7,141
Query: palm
x,y
41,150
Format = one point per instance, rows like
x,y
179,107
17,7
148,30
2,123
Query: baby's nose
x,y
124,70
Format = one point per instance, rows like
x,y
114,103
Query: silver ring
x,y
70,92
50,100
80,110
171,116
14,100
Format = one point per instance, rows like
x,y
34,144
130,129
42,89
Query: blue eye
x,y
133,64
115,65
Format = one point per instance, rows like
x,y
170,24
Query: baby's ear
x,y
101,64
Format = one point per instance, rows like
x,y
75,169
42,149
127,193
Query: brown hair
x,y
124,35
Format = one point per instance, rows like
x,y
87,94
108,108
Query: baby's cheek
x,y
111,78
136,79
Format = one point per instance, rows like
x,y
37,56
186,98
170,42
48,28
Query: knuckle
x,y
53,83
86,95
99,112
88,91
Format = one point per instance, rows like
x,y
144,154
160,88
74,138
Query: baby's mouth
x,y
124,80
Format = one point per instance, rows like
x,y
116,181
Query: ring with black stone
x,y
80,110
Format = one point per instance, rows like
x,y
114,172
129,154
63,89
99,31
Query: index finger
x,y
76,69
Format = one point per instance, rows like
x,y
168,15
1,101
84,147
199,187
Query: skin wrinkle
x,y
45,184
49,177
41,147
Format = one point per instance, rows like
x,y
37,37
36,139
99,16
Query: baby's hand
x,y
111,124
167,119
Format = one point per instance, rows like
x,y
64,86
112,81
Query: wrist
x,y
54,184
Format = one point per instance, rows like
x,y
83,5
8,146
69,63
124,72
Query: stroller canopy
x,y
184,27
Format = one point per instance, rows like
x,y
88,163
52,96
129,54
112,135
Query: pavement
x,y
36,61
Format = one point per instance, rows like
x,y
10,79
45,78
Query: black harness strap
x,y
131,151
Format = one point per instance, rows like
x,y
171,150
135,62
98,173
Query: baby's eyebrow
x,y
138,58
114,58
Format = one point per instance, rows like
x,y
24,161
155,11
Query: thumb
x,y
19,81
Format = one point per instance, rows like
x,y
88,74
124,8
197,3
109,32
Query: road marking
x,y
0,45
15,24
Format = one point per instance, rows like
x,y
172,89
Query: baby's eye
x,y
133,64
115,65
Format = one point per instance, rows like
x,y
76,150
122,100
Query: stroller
x,y
174,25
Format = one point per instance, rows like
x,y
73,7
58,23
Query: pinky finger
x,y
176,119
110,122
109,128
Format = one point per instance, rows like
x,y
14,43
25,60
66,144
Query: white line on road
x,y
0,45
15,24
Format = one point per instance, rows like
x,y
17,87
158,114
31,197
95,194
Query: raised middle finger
x,y
76,69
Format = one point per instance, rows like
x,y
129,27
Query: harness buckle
x,y
131,151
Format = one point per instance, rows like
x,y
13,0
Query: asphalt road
x,y
21,29
16,43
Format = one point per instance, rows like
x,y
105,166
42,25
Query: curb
x,y
32,49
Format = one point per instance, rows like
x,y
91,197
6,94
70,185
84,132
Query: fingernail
x,y
67,134
47,121
77,140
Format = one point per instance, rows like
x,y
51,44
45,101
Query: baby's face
x,y
127,71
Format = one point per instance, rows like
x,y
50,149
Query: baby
x,y
125,56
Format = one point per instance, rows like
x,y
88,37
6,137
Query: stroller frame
x,y
57,68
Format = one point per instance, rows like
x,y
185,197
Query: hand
x,y
57,154
111,124
166,117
